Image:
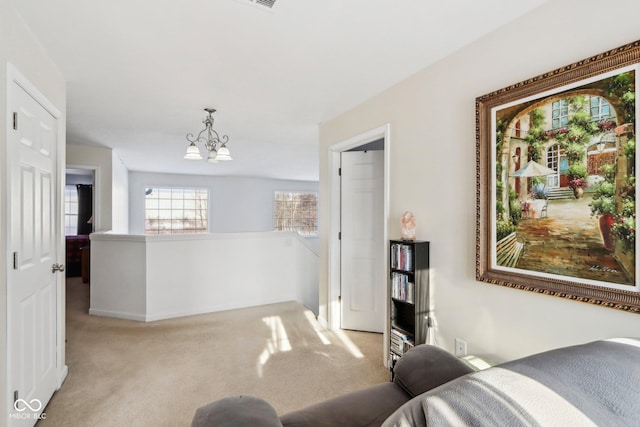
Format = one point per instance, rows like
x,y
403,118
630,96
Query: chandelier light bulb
x,y
224,154
212,157
193,153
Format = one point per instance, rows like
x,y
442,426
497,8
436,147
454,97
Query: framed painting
x,y
556,182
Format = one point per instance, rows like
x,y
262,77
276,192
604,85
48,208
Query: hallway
x,y
127,373
568,243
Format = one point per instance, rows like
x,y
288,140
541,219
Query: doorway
x,y
335,265
78,222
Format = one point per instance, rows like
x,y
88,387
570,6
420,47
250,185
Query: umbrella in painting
x,y
532,169
534,208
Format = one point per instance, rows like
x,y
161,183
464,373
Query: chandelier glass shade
x,y
215,145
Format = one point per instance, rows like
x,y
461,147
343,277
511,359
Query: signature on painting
x,y
604,269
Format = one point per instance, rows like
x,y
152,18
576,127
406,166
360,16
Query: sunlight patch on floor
x,y
319,330
355,351
279,341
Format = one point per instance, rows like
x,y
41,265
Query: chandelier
x,y
213,143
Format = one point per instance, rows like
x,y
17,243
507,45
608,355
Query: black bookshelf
x,y
409,295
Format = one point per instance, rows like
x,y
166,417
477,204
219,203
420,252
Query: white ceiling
x,y
140,72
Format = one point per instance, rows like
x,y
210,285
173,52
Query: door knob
x,y
57,267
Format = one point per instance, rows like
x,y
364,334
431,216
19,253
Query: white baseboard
x,y
213,309
118,315
323,322
62,376
191,312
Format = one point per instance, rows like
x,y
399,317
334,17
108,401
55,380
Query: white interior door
x,y
362,275
32,287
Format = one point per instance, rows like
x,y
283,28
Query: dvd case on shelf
x,y
401,256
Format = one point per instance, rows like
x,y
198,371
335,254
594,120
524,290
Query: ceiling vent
x,y
265,3
262,4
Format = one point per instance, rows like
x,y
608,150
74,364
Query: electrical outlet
x,y
461,348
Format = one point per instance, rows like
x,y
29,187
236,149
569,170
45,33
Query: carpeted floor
x,y
125,373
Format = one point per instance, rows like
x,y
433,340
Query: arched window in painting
x,y
559,113
517,133
600,109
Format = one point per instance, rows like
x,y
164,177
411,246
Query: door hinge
x,y
339,235
15,397
15,121
339,171
15,260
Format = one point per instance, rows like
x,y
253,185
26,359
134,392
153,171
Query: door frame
x,y
14,76
384,131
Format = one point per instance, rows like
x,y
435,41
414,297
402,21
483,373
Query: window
x,y
176,210
559,113
70,210
296,212
555,154
600,108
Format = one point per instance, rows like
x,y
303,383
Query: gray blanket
x,y
595,384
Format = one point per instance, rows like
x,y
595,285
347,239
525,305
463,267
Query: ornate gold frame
x,y
571,288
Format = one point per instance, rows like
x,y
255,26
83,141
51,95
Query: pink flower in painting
x,y
577,183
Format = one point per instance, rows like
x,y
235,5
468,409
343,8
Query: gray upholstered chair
x,y
419,370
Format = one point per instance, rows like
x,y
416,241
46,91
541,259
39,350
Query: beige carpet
x,y
125,373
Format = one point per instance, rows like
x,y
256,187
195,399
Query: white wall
x,y
236,204
118,276
150,278
432,117
120,195
19,47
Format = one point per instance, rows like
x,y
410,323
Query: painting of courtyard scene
x,y
565,183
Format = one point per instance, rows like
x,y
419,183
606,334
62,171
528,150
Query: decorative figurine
x,y
408,226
